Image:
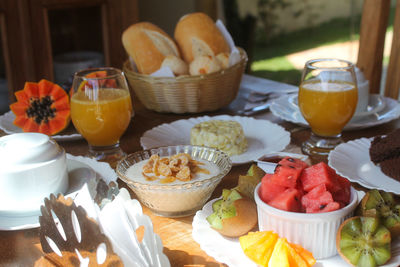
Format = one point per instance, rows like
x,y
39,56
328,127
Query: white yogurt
x,y
171,199
134,172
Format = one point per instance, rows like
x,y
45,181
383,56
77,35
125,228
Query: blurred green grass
x,y
270,58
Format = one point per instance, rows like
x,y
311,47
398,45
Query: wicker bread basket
x,y
187,94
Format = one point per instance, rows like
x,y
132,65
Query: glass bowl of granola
x,y
174,181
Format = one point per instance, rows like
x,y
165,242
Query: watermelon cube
x,y
317,199
289,200
286,176
296,163
332,206
318,174
343,195
268,189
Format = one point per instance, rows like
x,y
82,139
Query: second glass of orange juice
x,y
101,111
327,100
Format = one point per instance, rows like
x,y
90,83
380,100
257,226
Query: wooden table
x,y
22,248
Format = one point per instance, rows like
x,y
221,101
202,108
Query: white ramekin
x,y
316,232
33,167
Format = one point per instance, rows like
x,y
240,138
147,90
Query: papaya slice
x,y
109,83
41,107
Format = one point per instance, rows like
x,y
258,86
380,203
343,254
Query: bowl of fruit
x,y
306,204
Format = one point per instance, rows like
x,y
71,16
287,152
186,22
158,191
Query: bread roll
x,y
197,35
203,65
223,59
176,64
148,45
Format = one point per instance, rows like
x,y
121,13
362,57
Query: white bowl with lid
x,y
33,167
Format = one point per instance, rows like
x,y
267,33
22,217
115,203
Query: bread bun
x,y
223,59
245,219
203,65
176,64
148,45
197,35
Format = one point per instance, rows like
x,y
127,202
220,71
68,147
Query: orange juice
x,y
328,106
102,115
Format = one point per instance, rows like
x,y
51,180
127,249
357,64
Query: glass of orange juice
x,y
327,100
101,110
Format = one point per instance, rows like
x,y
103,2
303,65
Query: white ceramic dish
x,y
33,167
81,170
315,232
352,161
6,124
179,198
381,110
228,250
262,136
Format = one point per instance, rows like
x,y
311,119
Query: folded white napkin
x,y
119,219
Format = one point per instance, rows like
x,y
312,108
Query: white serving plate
x,y
352,161
380,110
81,170
263,136
228,250
6,124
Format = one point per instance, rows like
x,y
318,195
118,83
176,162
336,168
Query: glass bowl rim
x,y
185,185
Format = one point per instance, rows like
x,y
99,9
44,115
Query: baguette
x,y
197,35
148,45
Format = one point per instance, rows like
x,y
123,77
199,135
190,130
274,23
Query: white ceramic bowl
x,y
315,232
33,166
176,199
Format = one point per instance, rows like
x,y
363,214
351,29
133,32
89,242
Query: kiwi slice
x,y
247,183
223,208
382,205
217,204
363,241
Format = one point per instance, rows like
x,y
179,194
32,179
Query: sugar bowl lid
x,y
28,148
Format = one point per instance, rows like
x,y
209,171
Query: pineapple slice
x,y
267,249
258,246
295,259
304,253
280,255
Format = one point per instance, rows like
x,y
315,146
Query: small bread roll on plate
x,y
148,45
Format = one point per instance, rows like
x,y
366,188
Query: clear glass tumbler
x,y
327,100
101,111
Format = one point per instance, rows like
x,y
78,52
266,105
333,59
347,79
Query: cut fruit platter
x,y
298,190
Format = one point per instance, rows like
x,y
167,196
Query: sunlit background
x,y
278,35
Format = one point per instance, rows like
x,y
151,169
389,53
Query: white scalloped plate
x,y
352,161
381,110
228,250
263,136
6,124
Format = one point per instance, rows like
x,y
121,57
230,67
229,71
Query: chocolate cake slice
x,y
391,167
387,147
385,152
